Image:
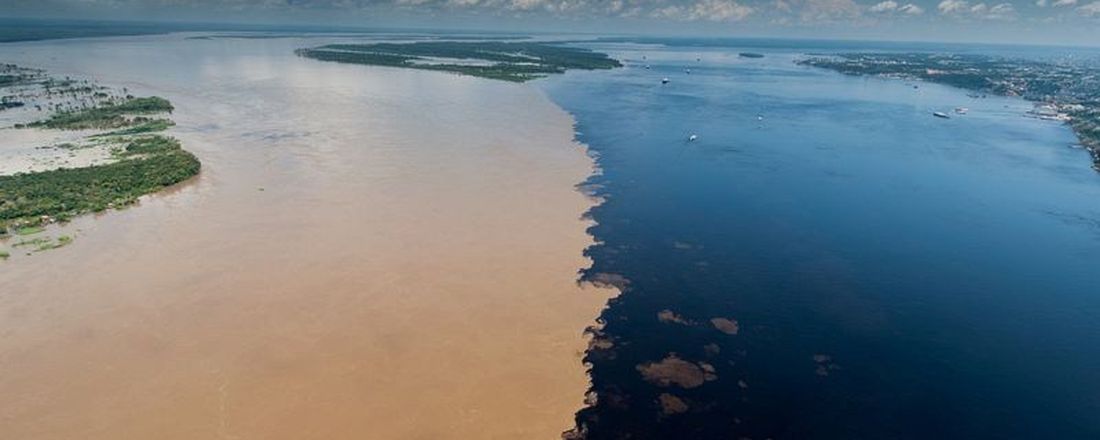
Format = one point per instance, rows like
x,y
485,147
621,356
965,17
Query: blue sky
x,y
1074,22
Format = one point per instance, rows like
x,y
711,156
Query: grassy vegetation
x,y
36,242
151,126
43,243
29,230
61,241
107,116
4,255
149,145
148,164
508,61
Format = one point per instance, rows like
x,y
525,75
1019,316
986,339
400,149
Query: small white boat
x,y
961,110
941,115
692,138
664,80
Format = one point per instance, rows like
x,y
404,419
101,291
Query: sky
x,y
1068,22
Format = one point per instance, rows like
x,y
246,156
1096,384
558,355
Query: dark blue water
x,y
893,275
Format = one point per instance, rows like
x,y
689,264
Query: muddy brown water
x,y
369,253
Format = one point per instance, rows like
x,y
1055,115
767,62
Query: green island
x,y
147,165
1066,91
143,126
502,60
106,116
141,160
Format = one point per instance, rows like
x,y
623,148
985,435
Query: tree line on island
x,y
142,161
501,60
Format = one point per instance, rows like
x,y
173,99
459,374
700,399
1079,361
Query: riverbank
x,y
370,253
1067,91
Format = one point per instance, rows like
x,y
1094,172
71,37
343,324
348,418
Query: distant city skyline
x,y
1068,22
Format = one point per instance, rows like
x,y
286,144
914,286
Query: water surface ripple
x,y
827,260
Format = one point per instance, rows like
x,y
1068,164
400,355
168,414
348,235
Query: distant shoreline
x,y
493,59
15,30
1080,111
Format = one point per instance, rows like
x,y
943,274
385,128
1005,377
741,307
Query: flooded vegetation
x,y
132,159
508,61
13,82
109,115
39,244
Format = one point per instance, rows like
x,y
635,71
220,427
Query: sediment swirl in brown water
x,y
369,254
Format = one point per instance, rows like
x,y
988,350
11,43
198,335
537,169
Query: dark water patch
x,y
845,266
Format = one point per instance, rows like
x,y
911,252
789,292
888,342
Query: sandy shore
x,y
369,254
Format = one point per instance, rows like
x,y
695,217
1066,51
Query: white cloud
x,y
816,11
808,13
1002,11
962,9
709,10
1090,10
952,6
890,6
911,9
525,5
886,6
720,10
